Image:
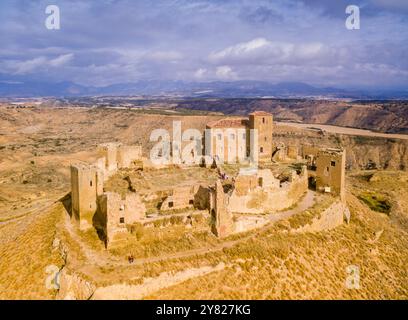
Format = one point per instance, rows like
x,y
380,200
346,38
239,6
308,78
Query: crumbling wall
x,y
271,199
246,223
116,213
223,224
180,198
244,184
266,179
127,155
135,209
109,151
330,171
329,219
73,287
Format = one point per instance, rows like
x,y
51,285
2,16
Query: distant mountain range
x,y
240,89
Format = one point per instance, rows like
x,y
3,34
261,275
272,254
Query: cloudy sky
x,y
104,42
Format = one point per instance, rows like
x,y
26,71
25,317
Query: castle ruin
x,y
234,206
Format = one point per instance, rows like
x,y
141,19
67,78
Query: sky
x,y
105,42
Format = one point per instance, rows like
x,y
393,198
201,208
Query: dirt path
x,y
344,130
97,258
307,202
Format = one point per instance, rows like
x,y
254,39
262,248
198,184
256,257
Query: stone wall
x,y
272,198
86,186
263,122
116,213
228,144
330,171
329,219
223,224
180,198
126,155
246,223
73,287
109,151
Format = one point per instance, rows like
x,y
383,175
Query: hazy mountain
x,y
192,89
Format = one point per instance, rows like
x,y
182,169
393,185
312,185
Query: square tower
x,y
86,186
331,171
263,122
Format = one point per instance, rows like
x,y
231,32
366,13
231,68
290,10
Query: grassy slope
x,y
23,261
281,266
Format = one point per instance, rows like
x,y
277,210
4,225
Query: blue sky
x,y
114,41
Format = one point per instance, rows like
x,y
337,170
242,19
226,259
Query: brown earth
x,y
38,144
388,116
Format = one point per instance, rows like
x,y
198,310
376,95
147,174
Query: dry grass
x,y
278,265
23,261
166,238
306,217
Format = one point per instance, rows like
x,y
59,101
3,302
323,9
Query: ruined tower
x,y
330,171
117,211
223,224
263,122
86,186
110,151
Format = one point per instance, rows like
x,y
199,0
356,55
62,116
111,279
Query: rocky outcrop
x,y
73,287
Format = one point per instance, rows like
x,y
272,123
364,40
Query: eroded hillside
x,y
38,144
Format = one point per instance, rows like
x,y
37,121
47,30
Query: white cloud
x,y
23,67
225,73
36,64
262,51
61,60
200,73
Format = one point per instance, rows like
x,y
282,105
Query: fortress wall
x,y
127,154
223,224
75,193
261,200
243,224
245,184
181,198
135,209
109,152
328,219
116,213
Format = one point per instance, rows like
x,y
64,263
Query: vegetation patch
x,y
375,202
